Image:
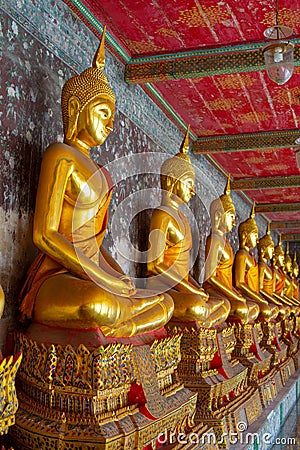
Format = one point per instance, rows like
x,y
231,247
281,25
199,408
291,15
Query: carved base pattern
x,y
101,398
224,398
8,396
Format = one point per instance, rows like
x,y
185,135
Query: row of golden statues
x,y
74,284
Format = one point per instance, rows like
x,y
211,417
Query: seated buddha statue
x,y
219,259
277,265
2,301
295,270
266,279
246,268
74,282
288,289
170,242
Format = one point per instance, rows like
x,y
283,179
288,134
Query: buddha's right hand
x,y
201,292
122,286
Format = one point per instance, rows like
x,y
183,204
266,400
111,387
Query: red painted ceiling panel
x,y
235,103
278,195
265,163
172,26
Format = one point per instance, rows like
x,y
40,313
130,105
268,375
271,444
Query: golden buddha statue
x,y
219,259
74,282
278,274
288,289
246,268
2,301
295,270
266,279
170,242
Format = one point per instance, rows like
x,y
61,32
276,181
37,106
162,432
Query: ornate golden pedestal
x,y
8,395
207,367
114,396
273,343
256,349
291,338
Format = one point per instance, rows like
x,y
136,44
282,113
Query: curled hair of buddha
x,y
278,250
248,226
266,240
88,85
223,204
179,165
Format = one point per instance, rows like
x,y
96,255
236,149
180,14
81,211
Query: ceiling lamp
x,y
279,54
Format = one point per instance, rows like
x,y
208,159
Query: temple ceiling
x,y
202,62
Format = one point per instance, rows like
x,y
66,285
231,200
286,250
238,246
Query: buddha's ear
x,y
73,112
218,218
170,183
244,237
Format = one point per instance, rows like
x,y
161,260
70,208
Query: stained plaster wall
x,y
43,43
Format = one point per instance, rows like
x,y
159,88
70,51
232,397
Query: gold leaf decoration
x,y
253,117
143,46
166,32
286,16
234,82
205,17
288,97
223,104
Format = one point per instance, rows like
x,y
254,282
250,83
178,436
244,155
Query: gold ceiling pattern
x,y
203,16
285,16
223,104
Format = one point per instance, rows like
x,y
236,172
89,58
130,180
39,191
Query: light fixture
x,y
297,152
279,54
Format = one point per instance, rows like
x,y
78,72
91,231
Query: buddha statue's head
x,y
295,266
288,260
177,174
222,211
248,231
266,245
88,103
278,257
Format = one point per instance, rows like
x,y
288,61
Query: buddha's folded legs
x,y
239,310
67,301
284,311
268,312
151,319
190,307
219,312
253,310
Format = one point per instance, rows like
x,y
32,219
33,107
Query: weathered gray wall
x,y
42,44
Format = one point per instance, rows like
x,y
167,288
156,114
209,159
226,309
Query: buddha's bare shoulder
x,y
60,150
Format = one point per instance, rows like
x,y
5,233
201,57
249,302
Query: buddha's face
x,y
280,259
95,122
296,271
228,221
288,265
184,188
269,251
252,239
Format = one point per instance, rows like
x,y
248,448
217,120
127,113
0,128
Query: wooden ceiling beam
x,y
277,207
245,142
284,225
198,63
290,237
246,184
